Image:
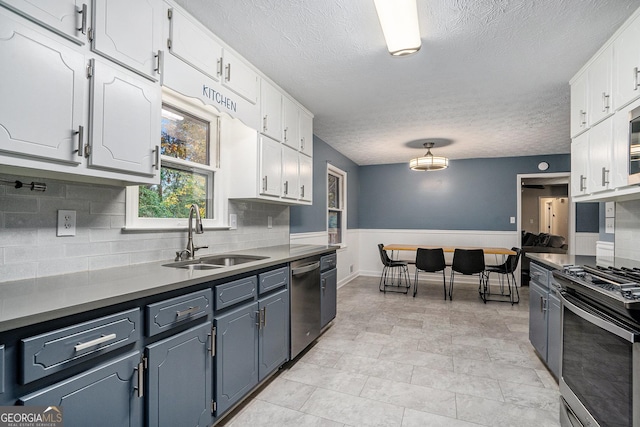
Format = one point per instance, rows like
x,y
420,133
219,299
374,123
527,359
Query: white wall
x,y
627,230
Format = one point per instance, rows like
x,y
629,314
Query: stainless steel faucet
x,y
191,249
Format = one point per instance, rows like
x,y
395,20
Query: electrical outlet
x,y
66,223
269,222
233,221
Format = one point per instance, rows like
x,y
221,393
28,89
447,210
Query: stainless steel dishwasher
x,y
305,303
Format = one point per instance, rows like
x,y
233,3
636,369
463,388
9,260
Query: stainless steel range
x,y
600,366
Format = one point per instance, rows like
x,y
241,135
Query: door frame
x,y
572,206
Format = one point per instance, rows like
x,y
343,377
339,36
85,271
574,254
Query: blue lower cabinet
x,y
328,296
106,395
179,391
236,355
554,339
273,332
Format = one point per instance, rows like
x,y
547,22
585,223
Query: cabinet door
x,y
239,77
125,118
328,296
274,332
579,164
626,64
180,379
306,133
538,318
306,177
579,104
270,166
289,173
236,355
601,103
291,126
129,32
68,18
41,97
553,335
271,109
103,396
188,42
600,148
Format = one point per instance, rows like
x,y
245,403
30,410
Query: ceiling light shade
x,y
429,162
399,22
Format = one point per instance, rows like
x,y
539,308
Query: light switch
x,y
512,220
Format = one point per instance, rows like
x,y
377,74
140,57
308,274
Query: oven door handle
x,y
623,333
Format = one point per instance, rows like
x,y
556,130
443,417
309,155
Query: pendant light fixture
x,y
399,22
429,162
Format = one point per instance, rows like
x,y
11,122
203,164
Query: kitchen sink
x,y
214,261
228,260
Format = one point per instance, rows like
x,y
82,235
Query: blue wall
x,y
305,219
472,194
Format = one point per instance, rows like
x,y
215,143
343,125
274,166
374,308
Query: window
x,y
336,205
189,157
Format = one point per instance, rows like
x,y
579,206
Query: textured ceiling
x,y
491,78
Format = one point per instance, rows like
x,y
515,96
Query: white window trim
x,y
219,187
343,223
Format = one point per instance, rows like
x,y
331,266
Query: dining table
x,y
488,250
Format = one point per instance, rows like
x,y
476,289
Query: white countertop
x,y
30,301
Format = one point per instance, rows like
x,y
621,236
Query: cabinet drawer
x,y
327,262
57,350
234,292
164,315
539,274
273,279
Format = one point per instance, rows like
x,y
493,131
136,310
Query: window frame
x,y
342,198
217,205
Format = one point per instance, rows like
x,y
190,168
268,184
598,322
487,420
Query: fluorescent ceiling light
x,y
399,21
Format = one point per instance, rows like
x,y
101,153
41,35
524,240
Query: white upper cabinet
x,y
271,110
125,119
270,166
579,105
290,189
600,77
68,18
627,64
306,133
305,165
600,154
239,77
580,165
291,125
129,33
41,95
188,41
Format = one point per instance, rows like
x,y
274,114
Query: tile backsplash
x,y
627,230
30,248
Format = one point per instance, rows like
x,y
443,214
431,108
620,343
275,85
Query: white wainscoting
x,y
348,254
585,244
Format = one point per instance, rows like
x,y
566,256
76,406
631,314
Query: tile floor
x,y
393,360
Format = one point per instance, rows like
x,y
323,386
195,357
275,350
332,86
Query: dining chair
x,y
507,271
468,262
393,273
430,261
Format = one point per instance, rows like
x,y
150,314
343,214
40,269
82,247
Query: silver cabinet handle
x,y
635,78
140,369
188,312
259,318
285,134
302,191
264,183
605,176
605,102
80,134
583,180
159,62
83,26
156,152
103,339
228,69
583,120
264,123
286,188
302,143
219,69
324,285
264,317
